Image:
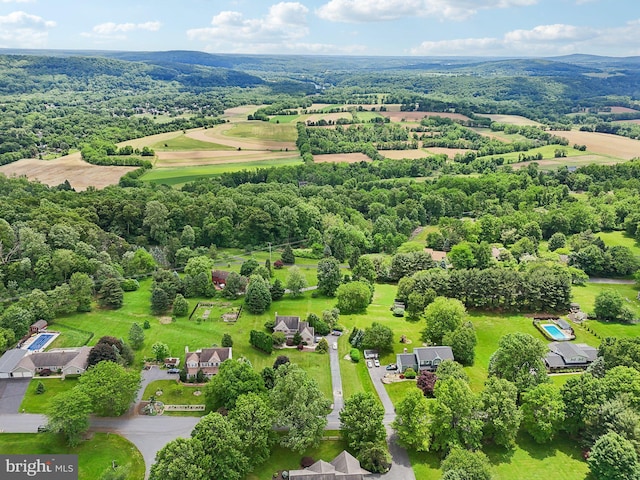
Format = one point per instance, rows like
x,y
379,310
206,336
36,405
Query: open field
x,y
574,161
240,113
267,131
450,152
510,119
180,175
285,118
402,154
621,110
605,143
95,456
341,158
636,121
71,167
612,239
249,136
417,116
182,142
216,157
315,117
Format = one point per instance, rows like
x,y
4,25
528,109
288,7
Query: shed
x,y
370,354
37,327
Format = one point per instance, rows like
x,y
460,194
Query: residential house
x,y
171,362
564,355
344,467
289,325
9,361
38,327
207,359
424,358
69,361
219,277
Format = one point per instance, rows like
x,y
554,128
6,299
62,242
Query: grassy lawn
x,y
612,239
586,295
173,393
180,175
560,380
94,455
183,142
33,403
275,132
561,458
398,390
548,152
284,118
355,376
284,459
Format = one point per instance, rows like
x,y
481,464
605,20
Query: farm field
x,y
398,116
95,456
182,142
217,157
450,152
605,143
254,135
410,153
283,132
341,158
510,119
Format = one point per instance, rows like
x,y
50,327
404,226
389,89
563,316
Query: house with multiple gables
x,y
206,359
62,361
565,355
423,358
344,467
289,325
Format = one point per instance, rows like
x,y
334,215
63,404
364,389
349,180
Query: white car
x,y
335,346
376,363
369,364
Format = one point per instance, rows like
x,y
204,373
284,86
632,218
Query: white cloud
x,y
283,26
364,11
17,1
111,30
20,29
543,40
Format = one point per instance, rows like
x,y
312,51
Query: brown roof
x,y
56,358
215,354
437,255
40,324
220,274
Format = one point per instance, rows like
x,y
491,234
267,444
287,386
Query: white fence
x,y
184,408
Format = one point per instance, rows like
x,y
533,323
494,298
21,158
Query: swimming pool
x,y
41,341
554,332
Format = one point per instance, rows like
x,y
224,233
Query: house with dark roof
x,y
9,361
289,325
344,467
424,358
207,359
219,277
62,361
564,355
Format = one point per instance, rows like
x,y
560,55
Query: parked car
x,y
43,428
337,333
335,346
369,364
173,370
376,362
392,366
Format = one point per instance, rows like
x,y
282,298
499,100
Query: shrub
x,y
146,325
410,373
355,355
130,285
40,388
278,264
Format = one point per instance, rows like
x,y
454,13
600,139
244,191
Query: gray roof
x,y
567,349
347,463
291,322
563,324
407,358
10,359
433,353
553,360
218,354
56,358
322,467
40,324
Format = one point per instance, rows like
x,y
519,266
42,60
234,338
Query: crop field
x,y
217,157
180,175
315,117
450,152
341,158
511,119
182,142
368,116
417,116
285,119
402,154
605,144
80,174
249,136
263,131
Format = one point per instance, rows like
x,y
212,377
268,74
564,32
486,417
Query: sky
x,y
529,28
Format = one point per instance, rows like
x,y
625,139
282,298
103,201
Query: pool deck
x,y
540,325
27,343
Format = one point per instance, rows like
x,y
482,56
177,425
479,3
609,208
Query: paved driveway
x,y
12,392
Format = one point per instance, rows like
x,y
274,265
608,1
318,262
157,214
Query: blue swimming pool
x,y
555,333
41,341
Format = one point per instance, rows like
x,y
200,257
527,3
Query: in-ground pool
x,y
554,332
39,342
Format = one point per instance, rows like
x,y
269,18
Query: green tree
x,y
188,236
557,240
329,277
40,388
234,378
468,465
451,369
461,256
227,341
111,294
353,297
181,459
463,343
613,458
248,266
296,281
364,270
620,352
501,415
519,360
68,414
361,420
375,458
287,255
180,306
378,337
323,346
258,298
300,408
608,305
442,316
156,219
160,351
136,336
222,444
160,301
17,320
102,352
413,421
197,265
81,287
542,412
276,290
110,387
455,416
581,395
252,418
235,285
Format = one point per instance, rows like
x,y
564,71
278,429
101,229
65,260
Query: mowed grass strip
x,y
95,456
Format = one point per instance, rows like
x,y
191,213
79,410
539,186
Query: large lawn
x,y
95,456
33,403
276,132
612,239
561,459
182,142
586,295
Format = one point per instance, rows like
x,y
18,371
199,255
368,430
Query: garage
x,y
9,361
22,374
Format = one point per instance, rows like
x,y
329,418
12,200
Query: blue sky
x,y
352,27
